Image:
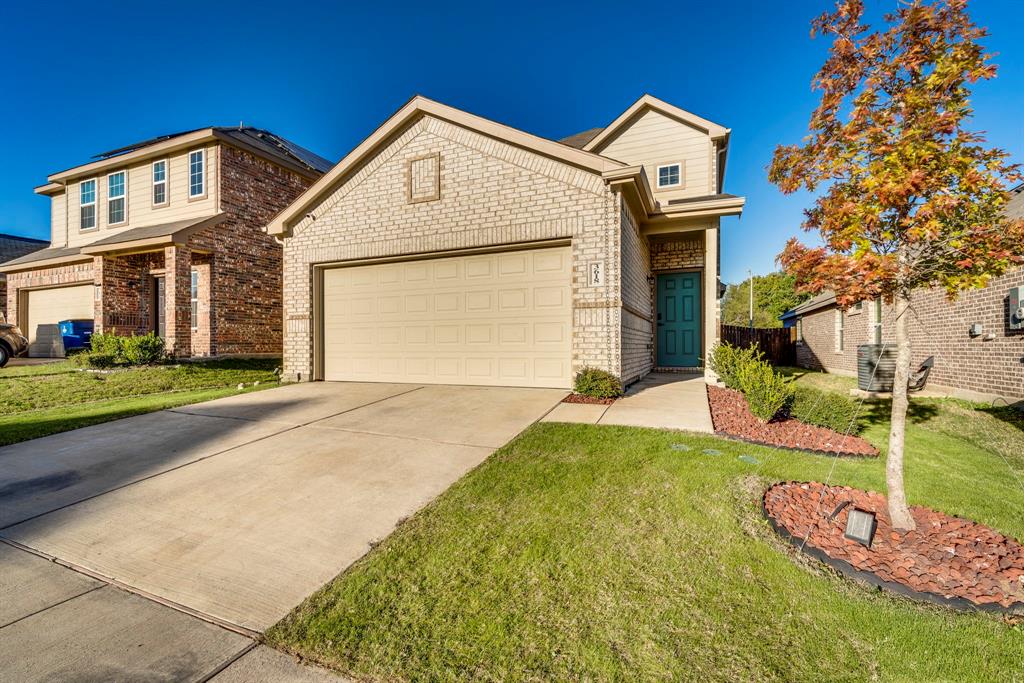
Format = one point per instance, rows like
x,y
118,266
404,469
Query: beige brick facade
x,y
491,194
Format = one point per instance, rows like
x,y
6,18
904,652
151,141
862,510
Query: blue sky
x,y
81,79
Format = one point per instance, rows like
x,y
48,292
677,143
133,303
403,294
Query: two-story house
x,y
167,236
448,248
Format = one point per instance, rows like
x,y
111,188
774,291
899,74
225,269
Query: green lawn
x,y
600,553
46,399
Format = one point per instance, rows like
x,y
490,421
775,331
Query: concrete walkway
x,y
158,547
661,400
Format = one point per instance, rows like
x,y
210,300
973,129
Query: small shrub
x,y
824,409
145,349
597,384
100,361
766,391
109,350
729,361
107,344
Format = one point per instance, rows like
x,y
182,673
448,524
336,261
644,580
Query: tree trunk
x,y
899,513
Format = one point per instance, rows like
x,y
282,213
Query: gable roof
x,y
580,140
256,140
413,110
649,102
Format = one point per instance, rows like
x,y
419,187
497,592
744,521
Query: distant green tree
x,y
774,294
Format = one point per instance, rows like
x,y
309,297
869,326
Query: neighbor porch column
x,y
178,301
98,298
711,329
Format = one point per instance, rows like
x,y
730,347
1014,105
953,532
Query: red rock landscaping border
x,y
947,560
731,417
580,398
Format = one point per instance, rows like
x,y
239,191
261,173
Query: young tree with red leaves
x,y
909,198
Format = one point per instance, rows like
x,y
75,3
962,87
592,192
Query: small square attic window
x,y
670,175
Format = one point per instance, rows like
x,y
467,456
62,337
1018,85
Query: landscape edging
x,y
851,572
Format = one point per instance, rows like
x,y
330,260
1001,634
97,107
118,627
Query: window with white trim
x,y
840,329
670,175
87,204
194,296
876,322
117,190
197,173
800,330
160,182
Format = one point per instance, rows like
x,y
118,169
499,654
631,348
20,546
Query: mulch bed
x,y
731,416
580,398
946,560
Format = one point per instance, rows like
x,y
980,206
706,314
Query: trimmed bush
x,y
110,350
597,384
766,391
728,361
824,409
145,349
745,370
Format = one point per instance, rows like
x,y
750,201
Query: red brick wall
x,y
938,328
244,314
127,302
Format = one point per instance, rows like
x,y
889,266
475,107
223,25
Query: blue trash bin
x,y
77,334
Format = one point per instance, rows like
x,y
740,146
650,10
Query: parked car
x,y
12,341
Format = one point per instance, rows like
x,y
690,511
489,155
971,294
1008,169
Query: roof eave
x,y
49,189
44,263
413,110
141,153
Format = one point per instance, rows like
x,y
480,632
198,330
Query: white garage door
x,y
46,308
501,319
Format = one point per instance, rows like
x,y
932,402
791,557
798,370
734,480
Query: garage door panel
x,y
493,319
46,308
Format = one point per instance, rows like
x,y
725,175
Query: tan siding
x,y
140,198
58,216
655,139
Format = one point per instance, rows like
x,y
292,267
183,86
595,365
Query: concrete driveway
x,y
228,512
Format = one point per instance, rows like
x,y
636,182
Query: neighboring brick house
x,y
11,247
447,248
986,362
167,236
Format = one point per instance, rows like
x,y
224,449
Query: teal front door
x,y
678,320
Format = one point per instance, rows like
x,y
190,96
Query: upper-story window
x,y
670,175
87,204
116,198
197,173
160,182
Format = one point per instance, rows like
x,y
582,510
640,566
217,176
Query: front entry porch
x,y
164,291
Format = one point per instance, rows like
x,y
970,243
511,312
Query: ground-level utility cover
x,y
712,451
681,447
750,459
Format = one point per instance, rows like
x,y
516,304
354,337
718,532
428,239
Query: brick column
x,y
177,301
98,302
711,321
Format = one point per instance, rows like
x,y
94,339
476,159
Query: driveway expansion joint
x,y
120,585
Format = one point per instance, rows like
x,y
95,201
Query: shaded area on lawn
x,y
588,552
47,399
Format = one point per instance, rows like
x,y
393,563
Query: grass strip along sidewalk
x,y
46,399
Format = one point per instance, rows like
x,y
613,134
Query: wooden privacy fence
x,y
777,343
